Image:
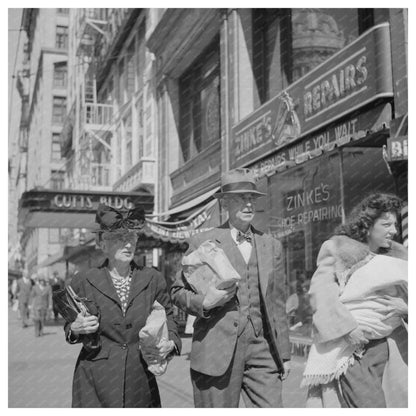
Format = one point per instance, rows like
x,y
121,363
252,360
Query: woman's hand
x,y
394,306
84,324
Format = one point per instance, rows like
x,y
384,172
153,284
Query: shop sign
x,y
397,148
336,134
85,202
73,201
305,197
355,76
302,207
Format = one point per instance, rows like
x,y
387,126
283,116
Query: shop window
x,y
57,180
317,34
61,38
200,103
56,147
58,110
304,206
360,181
289,43
60,75
271,51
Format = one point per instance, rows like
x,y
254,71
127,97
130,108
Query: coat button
x,y
236,324
124,346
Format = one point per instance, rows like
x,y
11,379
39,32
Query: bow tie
x,y
241,237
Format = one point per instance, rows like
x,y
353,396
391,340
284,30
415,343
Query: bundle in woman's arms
x,y
207,266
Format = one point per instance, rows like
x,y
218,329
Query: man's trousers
x,y
252,372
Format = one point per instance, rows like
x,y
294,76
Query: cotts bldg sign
x,y
352,78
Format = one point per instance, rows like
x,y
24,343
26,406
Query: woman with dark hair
x,y
359,298
111,370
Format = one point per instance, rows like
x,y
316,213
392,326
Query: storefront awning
x,y
188,205
202,219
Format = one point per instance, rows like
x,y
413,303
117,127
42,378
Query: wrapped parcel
x,y
153,334
208,266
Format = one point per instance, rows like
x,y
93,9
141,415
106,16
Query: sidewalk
x,y
40,371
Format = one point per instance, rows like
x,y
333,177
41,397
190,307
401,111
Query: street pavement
x,y
40,371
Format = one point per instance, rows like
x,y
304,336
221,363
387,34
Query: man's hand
x,y
356,337
84,324
287,365
218,297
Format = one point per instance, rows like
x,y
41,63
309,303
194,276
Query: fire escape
x,y
94,123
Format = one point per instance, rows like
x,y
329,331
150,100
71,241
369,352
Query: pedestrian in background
x,y
240,341
112,372
40,304
23,290
56,284
361,342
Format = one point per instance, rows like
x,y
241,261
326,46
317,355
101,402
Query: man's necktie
x,y
241,237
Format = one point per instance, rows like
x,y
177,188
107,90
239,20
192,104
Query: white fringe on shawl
x,y
380,276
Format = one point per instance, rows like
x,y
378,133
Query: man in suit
x,y
24,287
240,342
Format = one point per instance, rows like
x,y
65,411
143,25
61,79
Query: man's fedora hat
x,y
238,181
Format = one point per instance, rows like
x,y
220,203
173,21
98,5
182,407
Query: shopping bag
x,y
207,266
152,335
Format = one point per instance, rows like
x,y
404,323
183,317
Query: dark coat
x,y
215,337
117,376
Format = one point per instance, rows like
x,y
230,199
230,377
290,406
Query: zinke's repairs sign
x,y
353,77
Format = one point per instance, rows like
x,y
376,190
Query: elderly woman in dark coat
x,y
372,324
114,374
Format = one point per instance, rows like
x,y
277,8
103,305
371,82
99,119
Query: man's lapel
x,y
264,260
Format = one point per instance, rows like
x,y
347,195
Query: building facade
x,y
311,99
43,89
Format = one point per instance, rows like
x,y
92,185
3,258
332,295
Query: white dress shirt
x,y
245,247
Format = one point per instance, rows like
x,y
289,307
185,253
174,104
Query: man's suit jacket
x,y
215,334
